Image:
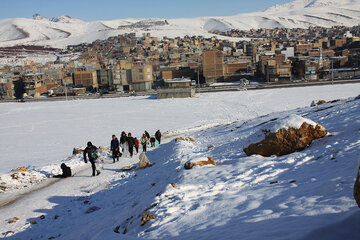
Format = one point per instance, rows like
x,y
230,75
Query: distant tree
x,y
19,88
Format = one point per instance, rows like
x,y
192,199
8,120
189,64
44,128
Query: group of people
x,y
154,141
125,145
118,148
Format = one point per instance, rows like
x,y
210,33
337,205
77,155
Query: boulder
x,y
21,169
187,139
146,216
77,150
357,188
317,102
191,164
144,161
286,140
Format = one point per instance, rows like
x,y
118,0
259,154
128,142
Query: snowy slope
x,y
64,30
45,129
310,196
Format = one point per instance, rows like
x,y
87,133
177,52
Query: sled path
x,y
25,204
10,198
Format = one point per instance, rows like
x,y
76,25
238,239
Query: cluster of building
x,y
128,63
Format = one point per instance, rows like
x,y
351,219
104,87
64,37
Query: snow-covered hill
x,y
64,30
303,195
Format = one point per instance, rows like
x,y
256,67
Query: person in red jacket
x,y
137,144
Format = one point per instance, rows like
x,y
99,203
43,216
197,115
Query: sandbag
x,y
144,161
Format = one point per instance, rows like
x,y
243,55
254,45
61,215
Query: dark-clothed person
x,y
66,171
158,136
123,140
152,141
115,148
147,134
91,150
131,143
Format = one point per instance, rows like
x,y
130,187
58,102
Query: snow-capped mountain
x,y
65,30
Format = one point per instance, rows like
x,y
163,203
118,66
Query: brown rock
x,y
318,102
286,141
189,139
146,216
13,220
190,165
77,150
21,169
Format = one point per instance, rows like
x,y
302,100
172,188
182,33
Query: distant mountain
x,y
65,30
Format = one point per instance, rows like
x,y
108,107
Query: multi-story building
x,y
142,77
85,78
213,65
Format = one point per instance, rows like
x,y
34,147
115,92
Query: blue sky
x,y
90,10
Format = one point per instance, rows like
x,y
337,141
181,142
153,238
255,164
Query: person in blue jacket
x,y
115,148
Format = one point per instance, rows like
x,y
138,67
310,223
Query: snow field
x,y
243,197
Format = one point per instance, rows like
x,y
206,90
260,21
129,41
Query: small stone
x,y
274,182
42,217
33,222
174,185
146,216
13,220
116,229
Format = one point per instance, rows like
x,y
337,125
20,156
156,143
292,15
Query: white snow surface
x,y
303,195
64,30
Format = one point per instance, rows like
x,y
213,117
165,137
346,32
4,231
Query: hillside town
x,y
131,64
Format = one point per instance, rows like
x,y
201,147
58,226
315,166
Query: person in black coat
x,y
158,136
115,148
131,143
123,140
147,134
91,150
152,141
66,171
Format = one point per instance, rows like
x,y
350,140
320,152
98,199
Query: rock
x,y
146,216
211,147
13,220
188,139
3,188
174,185
116,229
42,217
209,161
9,233
317,102
21,169
357,188
92,209
286,141
144,161
33,222
77,150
